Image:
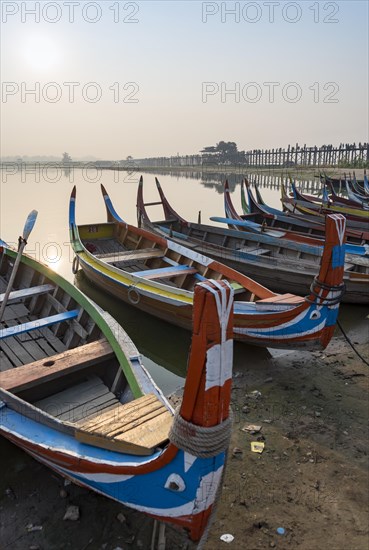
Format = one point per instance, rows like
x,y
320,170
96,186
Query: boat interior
x,y
54,357
132,252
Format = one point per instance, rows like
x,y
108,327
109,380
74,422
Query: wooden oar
x,y
28,226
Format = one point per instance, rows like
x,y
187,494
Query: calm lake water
x,y
164,347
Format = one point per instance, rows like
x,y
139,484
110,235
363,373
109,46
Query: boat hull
x,y
180,315
278,329
123,478
285,279
261,317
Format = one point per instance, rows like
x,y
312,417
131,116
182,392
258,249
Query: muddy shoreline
x,y
311,479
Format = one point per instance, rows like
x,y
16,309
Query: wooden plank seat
x,y
38,324
237,288
171,262
358,275
137,427
255,251
129,255
288,299
166,272
30,292
168,221
73,360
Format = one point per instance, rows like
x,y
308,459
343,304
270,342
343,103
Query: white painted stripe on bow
x,y
340,224
205,497
188,461
67,453
200,258
205,494
98,478
255,333
282,326
223,308
219,359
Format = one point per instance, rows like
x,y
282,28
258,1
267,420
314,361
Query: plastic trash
x,y
257,446
252,428
281,530
227,537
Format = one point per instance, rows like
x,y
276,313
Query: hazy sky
x,y
151,78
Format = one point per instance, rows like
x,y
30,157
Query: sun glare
x,y
41,52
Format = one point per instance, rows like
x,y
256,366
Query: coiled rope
x,y
200,441
328,300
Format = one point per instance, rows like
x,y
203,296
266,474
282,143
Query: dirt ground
x,y
311,479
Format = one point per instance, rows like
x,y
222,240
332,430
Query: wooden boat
x,y
366,185
75,396
158,276
356,218
277,263
292,227
352,195
331,200
360,186
280,224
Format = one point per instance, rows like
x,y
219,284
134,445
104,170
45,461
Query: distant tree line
x,y
224,152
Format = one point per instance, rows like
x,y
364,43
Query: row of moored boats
x,y
73,390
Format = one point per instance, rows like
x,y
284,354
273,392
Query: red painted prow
x,y
207,392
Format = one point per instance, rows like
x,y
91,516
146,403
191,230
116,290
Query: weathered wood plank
x,y
27,292
151,433
10,354
30,411
134,423
96,414
38,324
166,272
127,422
141,254
28,342
18,350
142,440
79,412
282,299
254,251
60,308
14,311
124,410
61,401
52,340
5,363
47,369
112,444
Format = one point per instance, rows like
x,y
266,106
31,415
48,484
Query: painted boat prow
x,y
111,213
328,287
